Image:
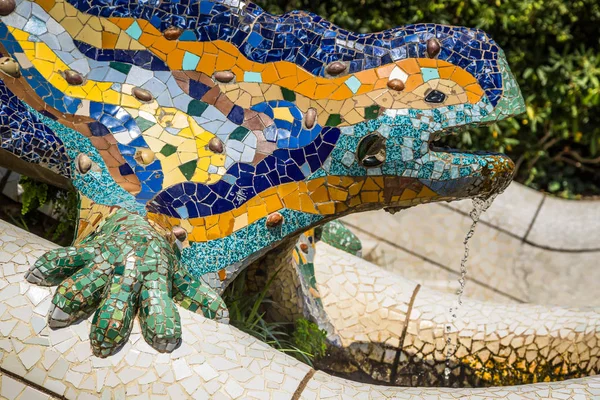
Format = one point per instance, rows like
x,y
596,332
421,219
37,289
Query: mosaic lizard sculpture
x,y
202,134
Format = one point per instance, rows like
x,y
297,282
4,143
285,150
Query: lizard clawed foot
x,y
122,269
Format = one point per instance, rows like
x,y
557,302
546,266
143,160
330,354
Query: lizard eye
x,y
435,96
371,151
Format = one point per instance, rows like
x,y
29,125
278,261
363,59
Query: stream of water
x,y
479,207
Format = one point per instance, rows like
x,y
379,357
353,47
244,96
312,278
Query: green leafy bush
x,y
309,338
552,47
64,204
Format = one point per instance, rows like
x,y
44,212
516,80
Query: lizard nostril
x,y
435,96
371,151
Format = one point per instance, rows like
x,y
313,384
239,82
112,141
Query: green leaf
x,y
554,186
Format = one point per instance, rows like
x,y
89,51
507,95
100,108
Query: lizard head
x,y
451,79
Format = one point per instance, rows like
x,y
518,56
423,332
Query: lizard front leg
x,y
125,267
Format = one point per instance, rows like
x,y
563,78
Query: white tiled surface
x,y
324,386
434,232
367,304
560,224
11,389
410,266
404,243
215,361
364,303
567,224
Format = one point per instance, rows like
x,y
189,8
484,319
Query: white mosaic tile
x,y
12,389
567,225
489,342
513,210
324,386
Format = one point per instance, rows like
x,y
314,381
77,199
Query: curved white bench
x,y
397,330
543,220
216,361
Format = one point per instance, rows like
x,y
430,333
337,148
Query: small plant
x,y
303,341
64,204
309,338
35,194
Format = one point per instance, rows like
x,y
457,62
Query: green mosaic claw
x,y
79,295
125,267
161,325
56,265
113,320
339,236
194,296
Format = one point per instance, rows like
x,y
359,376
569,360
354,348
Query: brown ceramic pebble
x,y
142,94
179,233
7,7
396,84
10,67
84,163
433,47
310,117
144,156
304,247
172,33
215,145
335,68
73,77
274,220
224,76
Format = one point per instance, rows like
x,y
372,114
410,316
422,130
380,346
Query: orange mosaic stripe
x,y
223,56
324,196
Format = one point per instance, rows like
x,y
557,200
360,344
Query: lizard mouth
x,y
496,169
448,173
472,173
496,173
447,141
